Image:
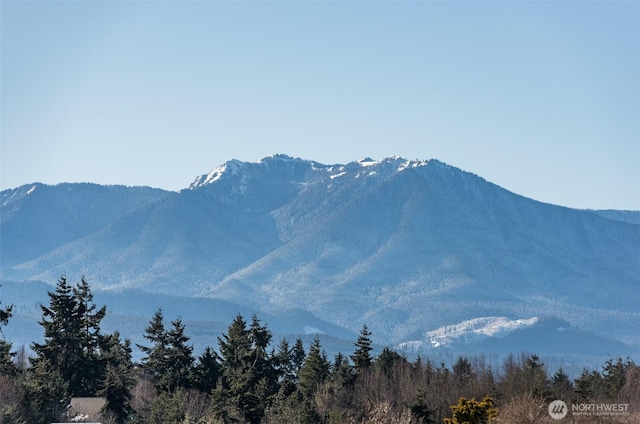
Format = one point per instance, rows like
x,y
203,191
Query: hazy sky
x,y
542,98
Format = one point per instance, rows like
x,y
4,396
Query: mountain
x,y
37,218
407,247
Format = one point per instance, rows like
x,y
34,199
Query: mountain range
x,y
428,256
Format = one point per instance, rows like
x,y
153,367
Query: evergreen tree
x,y
588,386
72,339
180,357
248,374
341,371
315,370
463,371
420,410
283,361
92,367
168,408
298,356
561,387
387,360
46,394
155,361
168,361
362,355
207,371
6,356
118,379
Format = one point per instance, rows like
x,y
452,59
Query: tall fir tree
x,y
72,338
180,357
362,355
92,368
118,380
154,363
315,370
387,360
298,356
248,374
207,371
168,361
6,356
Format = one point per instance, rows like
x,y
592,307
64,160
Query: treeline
x,y
251,379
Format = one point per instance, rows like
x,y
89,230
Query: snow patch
x,y
312,330
367,162
470,331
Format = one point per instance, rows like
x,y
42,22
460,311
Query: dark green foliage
x,y
249,381
169,408
561,386
6,359
118,379
462,370
168,361
387,360
72,339
6,356
588,386
179,356
362,355
420,409
341,371
207,371
91,366
298,356
283,362
45,395
249,377
314,371
614,374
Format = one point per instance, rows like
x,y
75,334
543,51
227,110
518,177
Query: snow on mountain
x,y
470,331
405,246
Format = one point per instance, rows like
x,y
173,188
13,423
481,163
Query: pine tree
x,y
315,370
283,361
180,357
118,379
207,371
72,339
463,371
588,386
614,374
298,356
420,409
387,360
248,375
92,368
341,371
6,356
561,387
168,362
362,355
235,351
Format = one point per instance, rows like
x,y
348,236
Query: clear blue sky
x,y
542,98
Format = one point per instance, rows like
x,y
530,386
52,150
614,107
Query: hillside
x,y
406,247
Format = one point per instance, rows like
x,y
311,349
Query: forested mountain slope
x,y
404,246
